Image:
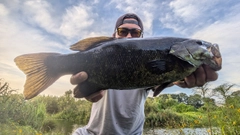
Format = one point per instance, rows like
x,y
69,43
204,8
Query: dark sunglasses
x,y
123,32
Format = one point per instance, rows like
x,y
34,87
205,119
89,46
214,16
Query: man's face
x,y
128,30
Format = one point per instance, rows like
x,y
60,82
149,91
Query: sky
x,y
32,26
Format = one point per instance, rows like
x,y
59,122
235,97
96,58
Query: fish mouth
x,y
216,56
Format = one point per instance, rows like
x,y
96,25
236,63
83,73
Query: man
x,y
122,112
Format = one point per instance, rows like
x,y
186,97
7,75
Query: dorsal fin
x,y
89,43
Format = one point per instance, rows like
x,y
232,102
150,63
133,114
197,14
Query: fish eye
x,y
199,42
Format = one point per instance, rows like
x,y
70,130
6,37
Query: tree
x,y
181,97
224,90
195,100
236,93
204,91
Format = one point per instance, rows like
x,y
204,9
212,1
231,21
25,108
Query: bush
x,y
164,118
181,107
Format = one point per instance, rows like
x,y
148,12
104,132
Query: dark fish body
x,y
119,63
120,66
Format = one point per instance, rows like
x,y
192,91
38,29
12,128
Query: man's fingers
x,y
190,81
78,78
180,84
77,93
200,76
95,96
211,75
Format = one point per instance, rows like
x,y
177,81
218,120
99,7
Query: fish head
x,y
198,52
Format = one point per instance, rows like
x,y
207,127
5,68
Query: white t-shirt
x,y
119,112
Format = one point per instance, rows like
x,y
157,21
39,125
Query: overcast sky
x,y
30,26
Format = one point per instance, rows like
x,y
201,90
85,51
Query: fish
x,y
119,64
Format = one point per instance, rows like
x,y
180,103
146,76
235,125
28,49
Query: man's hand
x,y
80,77
198,78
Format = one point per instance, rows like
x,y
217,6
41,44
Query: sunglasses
x,y
123,32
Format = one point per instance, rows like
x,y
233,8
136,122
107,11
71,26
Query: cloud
x,y
40,14
189,10
68,23
3,10
226,33
75,20
187,17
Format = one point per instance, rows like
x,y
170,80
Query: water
x,y
183,131
67,128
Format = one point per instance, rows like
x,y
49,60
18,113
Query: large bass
x,y
120,63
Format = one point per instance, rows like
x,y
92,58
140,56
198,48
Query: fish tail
x,y
37,73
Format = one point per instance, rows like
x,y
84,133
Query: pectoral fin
x,y
160,88
156,66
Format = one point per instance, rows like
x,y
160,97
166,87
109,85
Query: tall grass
x,y
228,117
16,112
15,108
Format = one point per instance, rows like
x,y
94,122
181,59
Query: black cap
x,y
121,21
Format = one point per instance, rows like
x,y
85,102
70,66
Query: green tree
x,y
51,102
166,101
195,100
181,98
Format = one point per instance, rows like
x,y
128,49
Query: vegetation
x,y
38,116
